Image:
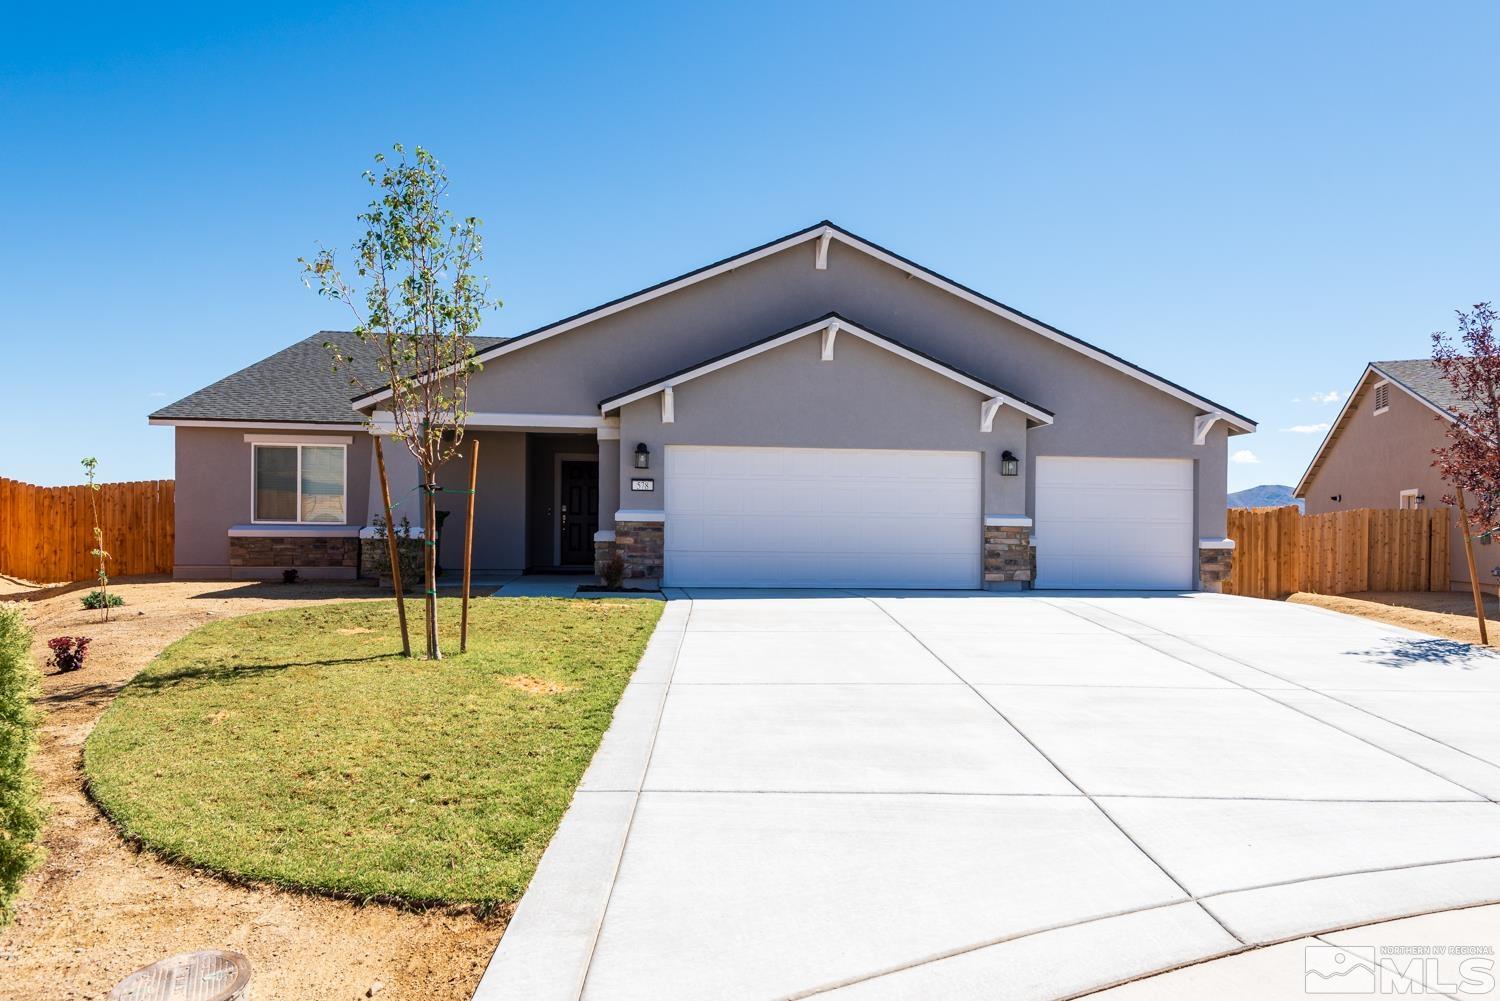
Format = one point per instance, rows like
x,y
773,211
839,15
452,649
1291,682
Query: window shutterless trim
x,y
299,446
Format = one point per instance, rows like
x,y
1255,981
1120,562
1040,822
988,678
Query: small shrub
x,y
102,599
408,550
20,804
68,652
614,572
289,575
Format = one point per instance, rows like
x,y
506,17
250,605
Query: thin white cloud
x,y
1332,396
1244,456
1307,428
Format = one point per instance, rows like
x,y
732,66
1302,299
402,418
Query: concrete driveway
x,y
860,796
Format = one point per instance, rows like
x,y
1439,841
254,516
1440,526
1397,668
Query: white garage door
x,y
811,517
1115,523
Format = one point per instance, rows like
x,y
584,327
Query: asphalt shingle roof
x,y
1422,377
295,385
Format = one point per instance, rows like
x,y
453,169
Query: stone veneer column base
x,y
1214,568
639,544
604,552
1009,557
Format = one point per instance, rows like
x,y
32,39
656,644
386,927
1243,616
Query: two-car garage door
x,y
813,517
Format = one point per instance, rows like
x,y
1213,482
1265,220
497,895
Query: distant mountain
x,y
1265,495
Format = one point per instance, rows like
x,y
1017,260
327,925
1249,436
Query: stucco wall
x,y
500,502
214,491
1100,411
865,397
1375,457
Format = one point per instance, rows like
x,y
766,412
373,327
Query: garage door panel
x,y
821,517
1115,523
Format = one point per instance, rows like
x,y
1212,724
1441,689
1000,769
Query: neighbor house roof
x,y
1419,378
821,235
830,325
297,385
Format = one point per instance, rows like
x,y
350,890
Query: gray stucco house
x,y
816,411
1378,454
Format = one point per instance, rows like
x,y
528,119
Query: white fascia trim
x,y
1215,543
1006,521
276,530
1037,328
173,422
823,234
383,423
723,267
640,514
604,536
1338,422
843,326
292,439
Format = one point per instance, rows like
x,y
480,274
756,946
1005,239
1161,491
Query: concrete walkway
x,y
894,796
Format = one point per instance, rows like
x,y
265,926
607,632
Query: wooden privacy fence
x,y
1278,550
46,532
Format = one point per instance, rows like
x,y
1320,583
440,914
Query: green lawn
x,y
293,747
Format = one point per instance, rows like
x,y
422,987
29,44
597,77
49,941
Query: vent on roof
x,y
1382,397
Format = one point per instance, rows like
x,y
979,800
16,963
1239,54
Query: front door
x,y
578,514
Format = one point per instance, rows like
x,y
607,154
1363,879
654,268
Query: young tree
x,y
416,301
98,553
1470,462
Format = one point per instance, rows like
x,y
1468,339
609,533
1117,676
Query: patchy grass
x,y
298,747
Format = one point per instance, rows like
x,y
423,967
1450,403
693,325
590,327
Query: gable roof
x,y
296,385
1419,378
822,234
839,325
1423,379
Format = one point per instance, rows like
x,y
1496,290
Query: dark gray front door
x,y
578,517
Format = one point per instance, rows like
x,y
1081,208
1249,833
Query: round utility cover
x,y
210,975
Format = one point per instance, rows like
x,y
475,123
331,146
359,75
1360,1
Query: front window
x,y
299,483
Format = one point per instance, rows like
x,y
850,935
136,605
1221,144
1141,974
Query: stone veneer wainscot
x,y
294,551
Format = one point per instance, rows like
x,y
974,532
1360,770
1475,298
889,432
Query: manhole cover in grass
x,y
210,975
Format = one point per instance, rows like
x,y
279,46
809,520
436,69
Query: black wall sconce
x,y
1009,464
642,456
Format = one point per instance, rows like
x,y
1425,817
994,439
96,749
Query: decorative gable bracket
x,y
1204,423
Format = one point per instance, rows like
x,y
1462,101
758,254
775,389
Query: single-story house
x,y
1378,453
816,411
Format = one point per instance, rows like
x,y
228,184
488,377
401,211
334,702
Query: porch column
x,y
609,497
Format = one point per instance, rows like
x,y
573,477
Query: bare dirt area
x,y
97,909
1449,614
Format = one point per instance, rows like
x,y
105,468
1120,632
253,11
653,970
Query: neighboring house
x,y
816,411
1378,453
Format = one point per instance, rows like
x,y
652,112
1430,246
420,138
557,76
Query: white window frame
x,y
299,445
1408,495
1384,384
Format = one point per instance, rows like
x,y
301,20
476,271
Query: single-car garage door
x,y
1114,523
815,517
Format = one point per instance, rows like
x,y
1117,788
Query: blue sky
x,y
1250,200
